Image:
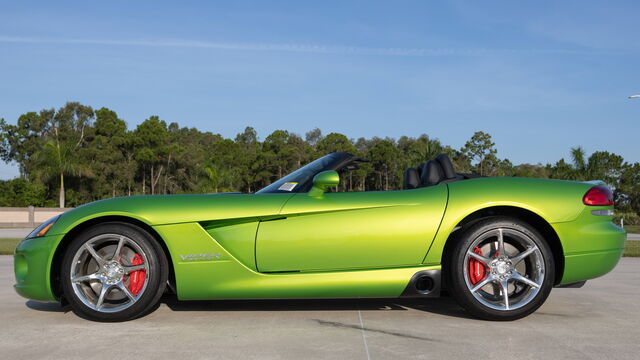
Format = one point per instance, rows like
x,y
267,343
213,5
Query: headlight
x,y
43,228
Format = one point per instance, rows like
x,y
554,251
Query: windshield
x,y
299,180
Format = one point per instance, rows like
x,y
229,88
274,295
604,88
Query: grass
x,y
632,229
631,248
7,246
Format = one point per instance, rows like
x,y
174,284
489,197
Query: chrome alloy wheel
x,y
105,269
504,269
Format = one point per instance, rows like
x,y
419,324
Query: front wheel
x,y
113,272
500,269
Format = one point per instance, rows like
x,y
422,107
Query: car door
x,y
351,230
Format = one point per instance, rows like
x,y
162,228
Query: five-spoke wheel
x,y
109,273
500,269
113,272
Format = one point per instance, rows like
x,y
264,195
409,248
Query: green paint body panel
x,y
239,239
174,209
592,245
328,245
553,200
230,279
352,230
32,266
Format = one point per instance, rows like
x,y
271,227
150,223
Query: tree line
x,y
75,154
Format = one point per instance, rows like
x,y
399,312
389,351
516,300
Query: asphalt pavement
x,y
600,320
14,232
633,236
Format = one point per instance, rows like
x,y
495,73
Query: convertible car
x,y
497,245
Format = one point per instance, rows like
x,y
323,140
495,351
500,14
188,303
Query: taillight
x,y
598,196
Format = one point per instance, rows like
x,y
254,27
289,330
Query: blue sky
x,y
539,76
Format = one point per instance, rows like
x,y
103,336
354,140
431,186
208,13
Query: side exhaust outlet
x,y
423,284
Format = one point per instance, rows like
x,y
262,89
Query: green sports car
x,y
497,245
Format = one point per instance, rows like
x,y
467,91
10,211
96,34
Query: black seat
x,y
411,178
447,166
431,173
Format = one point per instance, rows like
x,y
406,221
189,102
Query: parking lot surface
x,y
600,320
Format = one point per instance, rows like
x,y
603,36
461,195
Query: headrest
x,y
431,173
447,166
411,178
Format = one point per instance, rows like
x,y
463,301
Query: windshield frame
x,y
304,175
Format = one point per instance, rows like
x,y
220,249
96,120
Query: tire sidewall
x,y
455,274
157,276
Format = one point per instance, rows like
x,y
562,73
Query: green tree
x,y
313,137
21,192
530,170
334,142
561,170
601,165
579,164
249,147
21,142
384,155
66,157
605,166
150,149
279,154
480,149
107,151
628,192
64,138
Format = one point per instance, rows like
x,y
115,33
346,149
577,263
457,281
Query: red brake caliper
x,y
137,278
477,270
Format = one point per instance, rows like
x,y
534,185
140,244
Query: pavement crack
x,y
364,335
362,328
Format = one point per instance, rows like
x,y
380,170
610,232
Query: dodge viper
x,y
497,245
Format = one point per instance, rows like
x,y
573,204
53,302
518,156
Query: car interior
x,y
433,172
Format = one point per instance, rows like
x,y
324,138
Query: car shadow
x,y
47,306
441,306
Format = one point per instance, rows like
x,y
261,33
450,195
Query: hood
x,y
172,209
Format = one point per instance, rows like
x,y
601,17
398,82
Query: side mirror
x,y
322,181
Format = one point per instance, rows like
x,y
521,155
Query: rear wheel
x,y
113,272
501,269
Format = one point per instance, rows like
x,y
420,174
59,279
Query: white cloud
x,y
284,47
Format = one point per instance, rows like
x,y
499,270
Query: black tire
x,y
458,279
155,280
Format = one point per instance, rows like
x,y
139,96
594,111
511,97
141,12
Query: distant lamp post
x,y
634,97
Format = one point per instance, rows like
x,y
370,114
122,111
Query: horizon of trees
x,y
74,155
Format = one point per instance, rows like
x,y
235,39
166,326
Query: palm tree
x,y
57,160
579,163
212,178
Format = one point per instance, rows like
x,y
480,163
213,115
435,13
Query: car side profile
x,y
497,245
